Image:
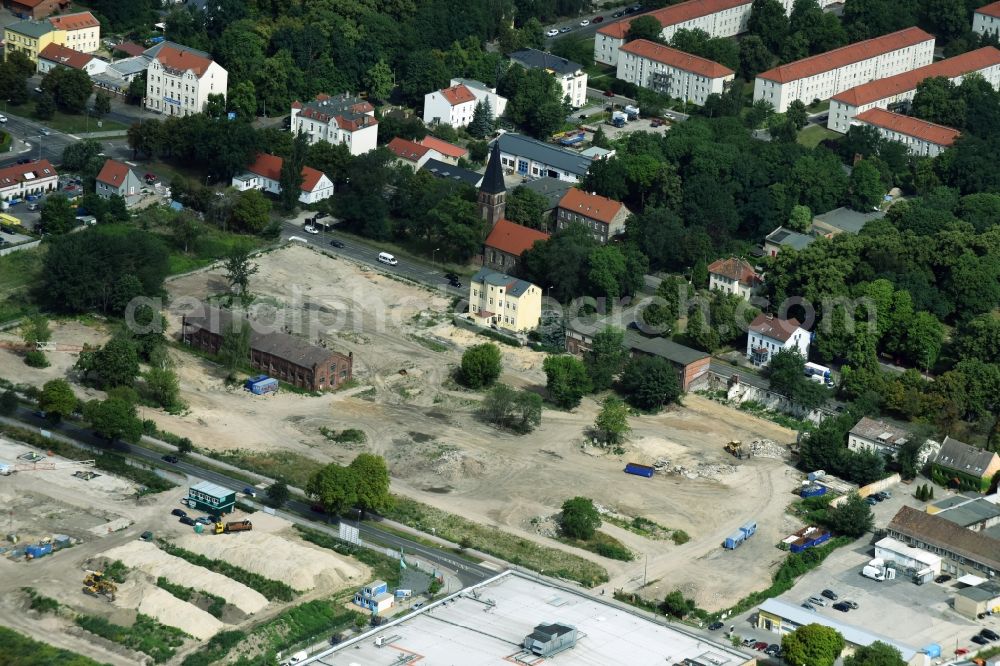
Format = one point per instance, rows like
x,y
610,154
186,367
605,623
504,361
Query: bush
x,y
579,518
613,551
481,366
36,359
18,649
146,635
216,649
680,537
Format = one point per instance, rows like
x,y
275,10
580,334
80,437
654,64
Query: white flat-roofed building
x,y
986,20
511,617
919,136
824,75
672,72
898,91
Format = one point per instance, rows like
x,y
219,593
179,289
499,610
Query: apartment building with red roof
x,y
604,217
456,104
824,75
342,119
81,31
36,9
986,19
897,91
265,175
671,72
919,136
180,79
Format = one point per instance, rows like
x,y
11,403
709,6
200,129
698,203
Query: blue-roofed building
x,y
501,301
535,159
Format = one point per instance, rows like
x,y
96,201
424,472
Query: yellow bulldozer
x,y
738,449
96,584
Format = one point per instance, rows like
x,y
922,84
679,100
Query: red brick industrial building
x,y
36,9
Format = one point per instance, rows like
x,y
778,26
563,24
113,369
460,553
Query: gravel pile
x,y
766,448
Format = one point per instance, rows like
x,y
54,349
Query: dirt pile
x,y
156,602
153,561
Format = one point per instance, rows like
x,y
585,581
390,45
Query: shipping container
x,y
818,474
812,491
733,540
261,384
639,470
37,551
748,528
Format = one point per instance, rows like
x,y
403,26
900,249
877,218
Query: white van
x,y
387,258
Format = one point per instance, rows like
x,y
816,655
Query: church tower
x,y
493,191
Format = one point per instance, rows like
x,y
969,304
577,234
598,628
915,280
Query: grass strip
x,y
146,635
19,650
215,607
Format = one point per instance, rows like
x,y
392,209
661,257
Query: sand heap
x,y
148,558
301,567
151,600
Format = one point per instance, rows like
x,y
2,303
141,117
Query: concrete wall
x,y
740,393
14,248
871,488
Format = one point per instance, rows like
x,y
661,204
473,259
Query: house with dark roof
x,y
734,276
499,300
56,55
552,189
342,119
452,173
179,79
877,435
768,335
531,158
116,179
603,217
572,77
286,357
842,221
785,238
456,104
410,153
672,72
960,465
962,551
265,174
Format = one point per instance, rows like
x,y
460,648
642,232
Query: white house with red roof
x,y
447,152
603,217
672,72
20,179
56,55
411,153
919,136
768,335
180,79
265,174
340,119
456,104
117,179
734,276
986,19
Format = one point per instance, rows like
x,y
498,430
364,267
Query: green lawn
x,y
64,122
811,136
18,271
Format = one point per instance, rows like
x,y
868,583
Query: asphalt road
x,y
576,30
468,572
42,147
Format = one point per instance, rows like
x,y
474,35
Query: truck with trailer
x,y
236,526
618,119
631,112
819,373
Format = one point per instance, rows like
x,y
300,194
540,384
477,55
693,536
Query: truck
x,y
639,470
618,119
819,373
631,112
877,570
236,526
749,529
736,448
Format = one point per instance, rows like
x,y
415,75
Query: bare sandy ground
x,y
64,333
148,599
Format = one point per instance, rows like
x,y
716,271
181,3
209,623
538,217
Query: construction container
x,y
749,529
812,491
933,650
261,384
61,540
818,474
734,540
36,551
639,470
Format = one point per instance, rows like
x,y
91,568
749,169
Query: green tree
x,y
675,605
290,179
102,104
579,519
35,330
242,100
115,364
650,382
876,654
45,106
57,399
278,494
800,218
924,338
235,348
114,419
380,80
566,380
786,373
812,645
644,27
797,114
251,213
184,446
769,21
239,269
508,408
865,189
611,426
754,57
8,402
77,155
526,207
606,357
334,486
70,88
371,478
482,120
702,334
58,216
853,518
164,388
481,365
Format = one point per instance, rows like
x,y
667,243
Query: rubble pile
x,y
766,448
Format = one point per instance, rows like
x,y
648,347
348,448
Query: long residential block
x,y
919,136
671,72
986,20
897,91
823,76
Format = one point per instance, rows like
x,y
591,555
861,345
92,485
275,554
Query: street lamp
x,y
433,253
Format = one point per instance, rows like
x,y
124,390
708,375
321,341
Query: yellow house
x,y
82,32
499,300
30,37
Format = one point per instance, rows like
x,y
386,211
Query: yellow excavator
x,y
96,584
736,448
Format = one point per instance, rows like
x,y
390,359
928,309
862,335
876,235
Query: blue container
x,y
822,538
38,551
933,651
748,529
812,491
264,386
733,540
639,470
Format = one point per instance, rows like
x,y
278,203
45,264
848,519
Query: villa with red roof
x,y
447,152
265,174
824,75
341,119
507,242
734,276
81,31
603,217
767,335
411,153
180,79
986,19
919,136
116,179
899,90
672,72
456,104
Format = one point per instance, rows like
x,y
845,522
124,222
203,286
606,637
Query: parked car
x,y
943,578
146,536
830,594
656,122
871,501
841,606
598,19
852,604
250,491
609,93
808,606
180,513
45,131
584,23
32,206
186,520
457,284
319,216
980,640
773,650
310,229
150,178
990,634
817,601
566,29
760,646
748,642
3,118
552,33
203,520
336,243
618,15
173,460
715,626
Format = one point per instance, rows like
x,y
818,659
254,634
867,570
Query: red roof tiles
x,y
846,55
407,150
113,173
443,147
920,129
183,60
61,55
992,9
77,21
589,205
873,91
675,14
513,238
735,269
774,327
679,59
458,94
16,173
269,166
130,48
